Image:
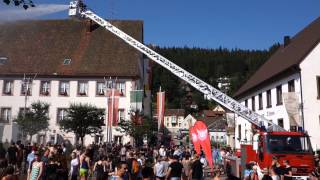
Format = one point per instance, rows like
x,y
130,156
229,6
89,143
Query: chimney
x,y
286,40
88,26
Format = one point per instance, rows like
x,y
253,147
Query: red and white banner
x,y
160,108
194,137
113,107
203,137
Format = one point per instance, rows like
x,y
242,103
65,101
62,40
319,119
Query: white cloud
x,y
12,13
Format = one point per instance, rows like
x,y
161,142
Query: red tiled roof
x,y
40,46
285,58
174,112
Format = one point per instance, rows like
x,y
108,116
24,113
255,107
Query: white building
x,y
286,89
69,61
174,120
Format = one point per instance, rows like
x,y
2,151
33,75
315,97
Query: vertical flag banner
x,y
160,108
194,137
113,107
203,137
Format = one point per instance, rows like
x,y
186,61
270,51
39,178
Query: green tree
x,y
25,3
82,120
138,127
35,119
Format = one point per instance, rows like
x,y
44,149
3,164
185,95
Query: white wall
x,y
174,129
17,101
273,113
310,69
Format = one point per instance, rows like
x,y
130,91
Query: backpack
x,y
135,166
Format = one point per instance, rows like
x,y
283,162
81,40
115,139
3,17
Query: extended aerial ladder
x,y
79,10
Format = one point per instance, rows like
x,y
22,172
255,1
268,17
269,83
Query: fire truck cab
x,y
292,146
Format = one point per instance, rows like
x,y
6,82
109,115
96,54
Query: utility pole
x,y
27,82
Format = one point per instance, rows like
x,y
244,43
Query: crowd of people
x,y
100,162
123,162
276,171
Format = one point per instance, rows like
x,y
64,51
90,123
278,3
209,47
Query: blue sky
x,y
245,24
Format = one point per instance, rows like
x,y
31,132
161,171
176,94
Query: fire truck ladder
x,y
79,10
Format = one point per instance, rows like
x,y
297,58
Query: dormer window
x,y
64,88
45,88
8,88
3,60
66,61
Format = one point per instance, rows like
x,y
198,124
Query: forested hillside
x,y
208,65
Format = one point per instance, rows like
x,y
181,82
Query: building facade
x,y
174,120
69,62
286,89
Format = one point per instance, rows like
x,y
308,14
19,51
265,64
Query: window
x,y
269,99
64,88
8,88
5,115
121,86
246,102
260,102
3,60
62,114
280,122
21,110
253,104
318,87
121,115
293,128
45,88
100,88
291,86
279,95
26,87
66,61
83,88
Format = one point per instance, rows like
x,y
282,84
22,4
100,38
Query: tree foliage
x,y
138,126
25,3
34,119
82,120
208,65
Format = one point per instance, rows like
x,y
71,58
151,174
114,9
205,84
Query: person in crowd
x,y
36,168
51,169
273,174
84,165
162,151
175,169
160,169
12,154
133,166
31,156
276,166
287,170
196,171
74,166
186,163
147,170
100,169
266,175
121,170
3,161
10,174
